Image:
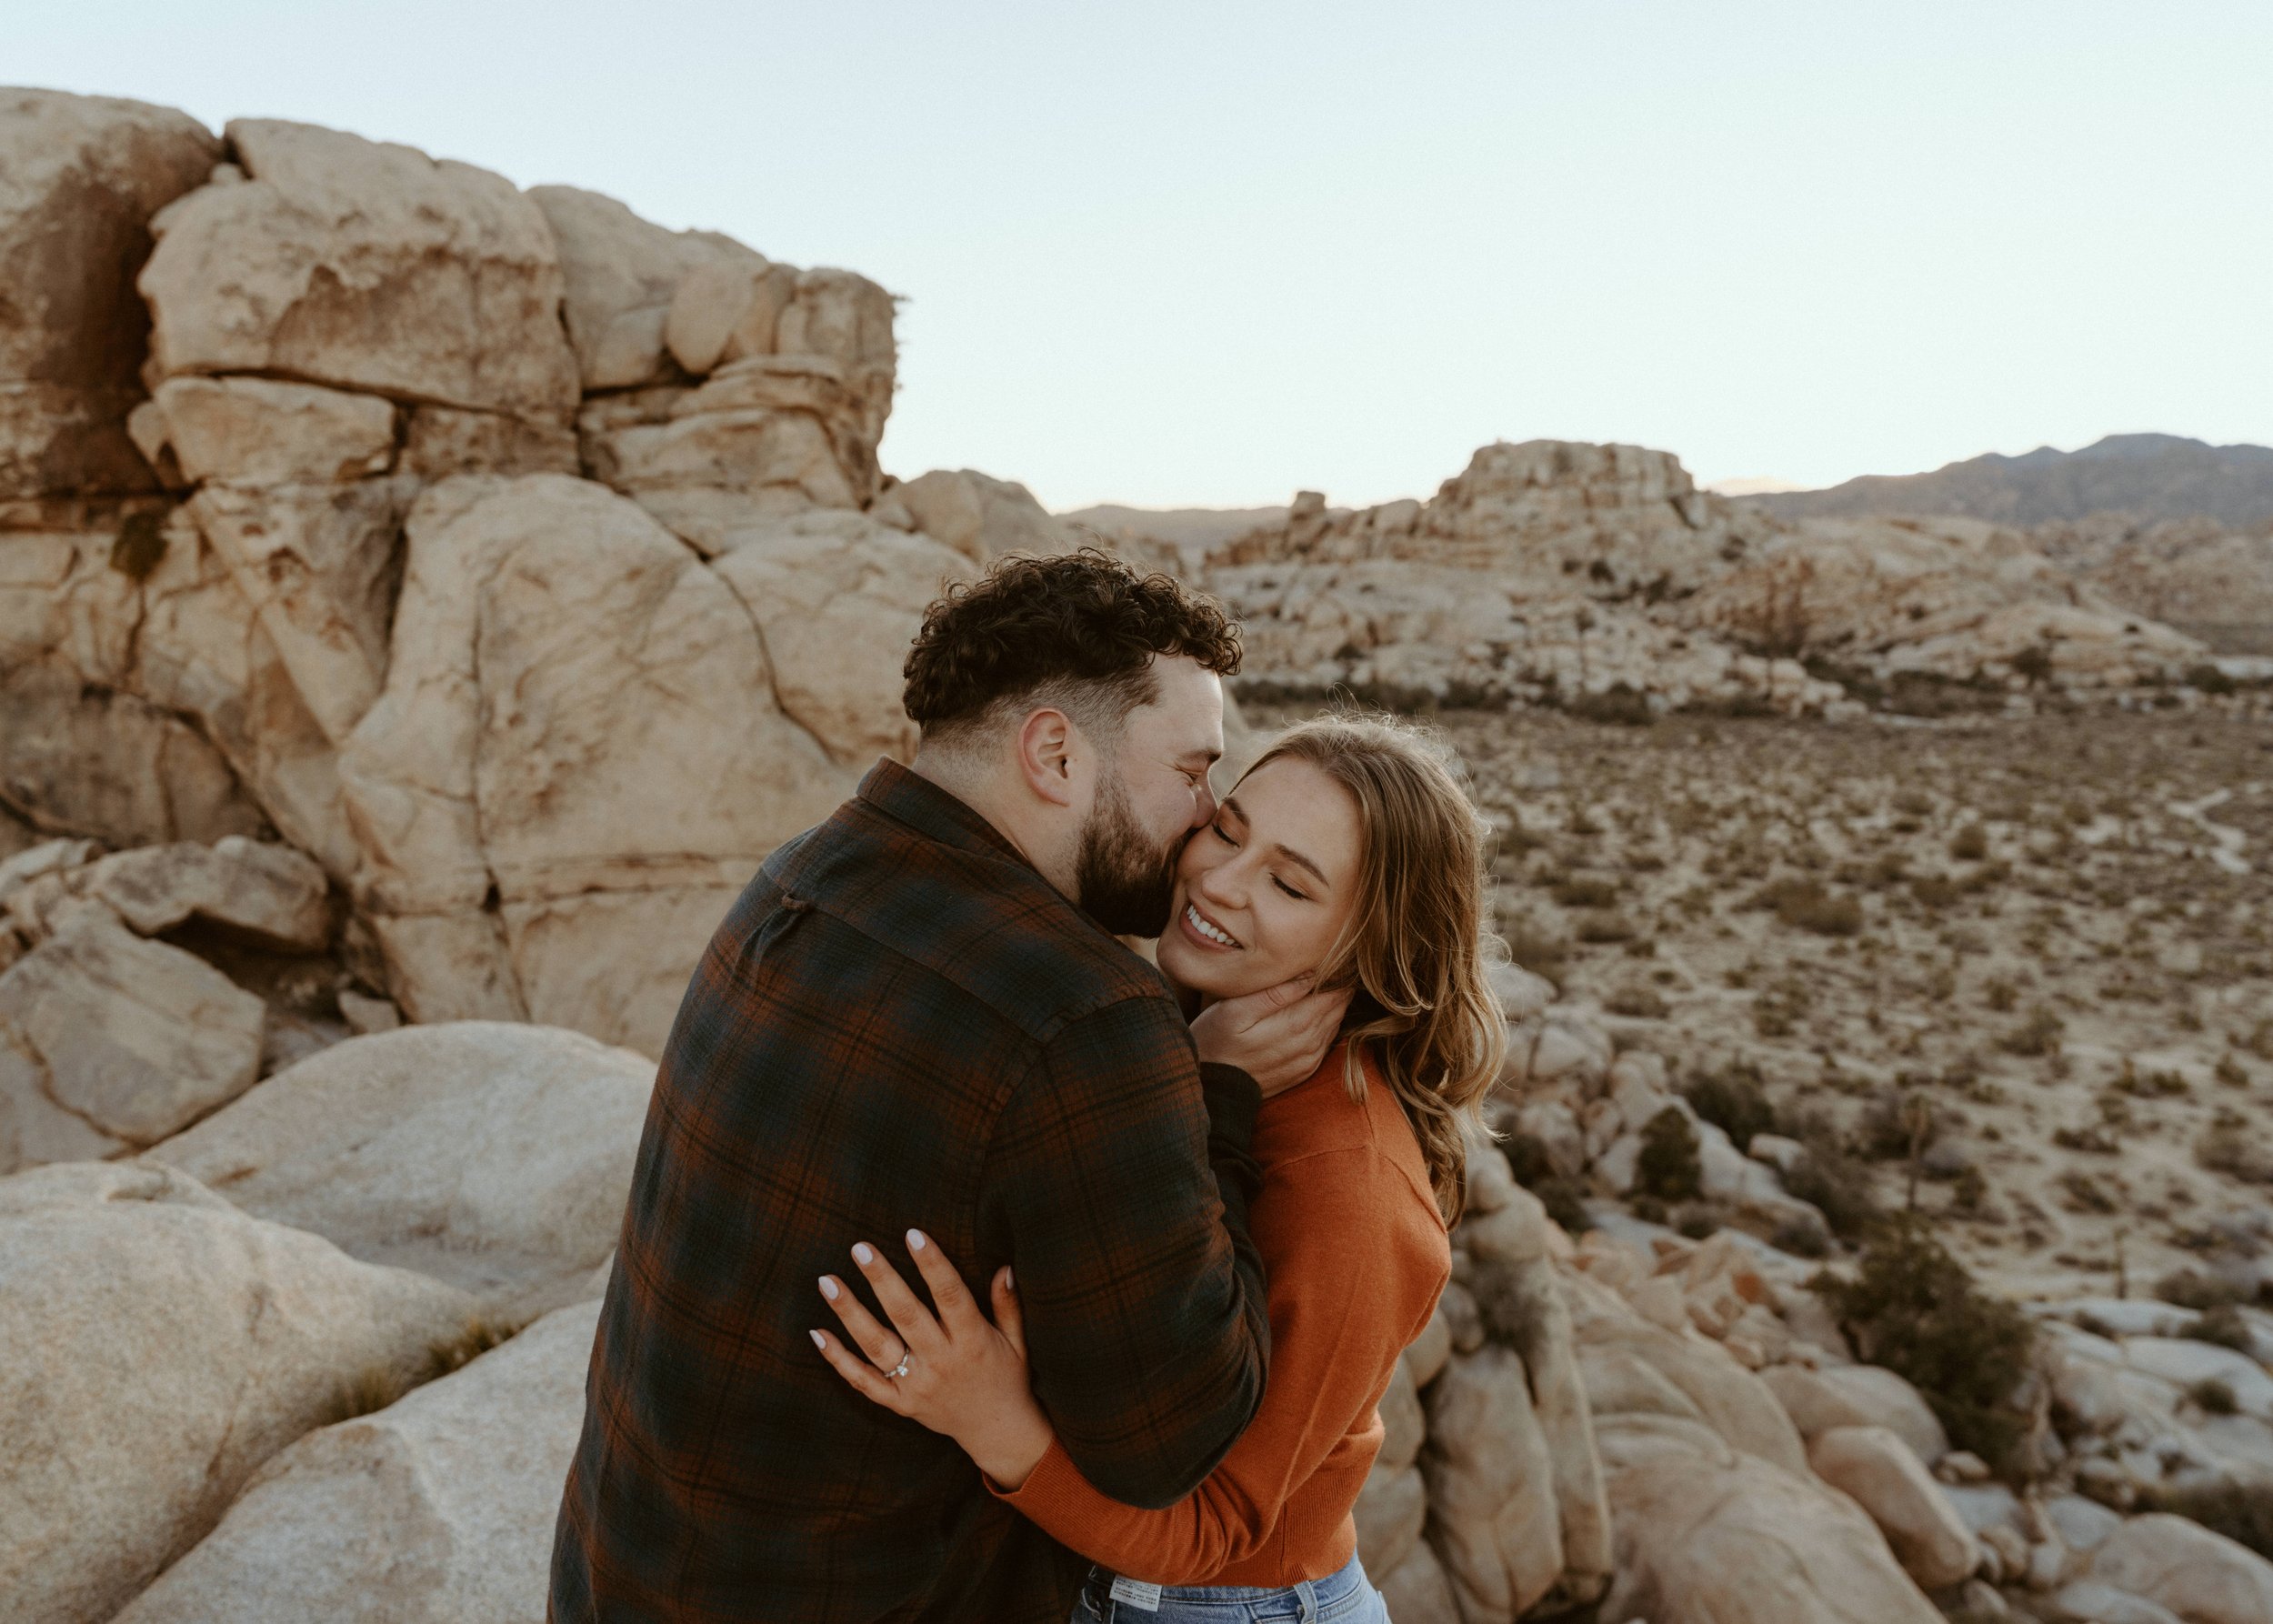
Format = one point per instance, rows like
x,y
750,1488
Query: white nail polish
x,y
863,1256
828,1289
914,1240
819,1340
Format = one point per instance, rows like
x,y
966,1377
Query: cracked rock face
x,y
109,1042
363,265
80,177
156,1346
578,746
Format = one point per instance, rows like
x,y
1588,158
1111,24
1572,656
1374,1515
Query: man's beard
x,y
1121,879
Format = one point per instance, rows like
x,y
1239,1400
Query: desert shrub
x,y
1895,1125
1913,1307
2243,1512
2085,1193
1604,926
2213,1397
2093,1140
374,1387
2228,1147
1565,1202
2223,1326
2191,1288
2208,679
1934,890
1830,1179
1642,1003
2231,1073
2000,995
1621,705
2039,1035
1732,1100
1538,951
1575,891
1970,844
1806,905
1669,1168
1969,1195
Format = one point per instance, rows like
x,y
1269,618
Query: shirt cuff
x,y
1053,1477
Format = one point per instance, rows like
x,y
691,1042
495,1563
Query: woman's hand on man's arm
x,y
963,1376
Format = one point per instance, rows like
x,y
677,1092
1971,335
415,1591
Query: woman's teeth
x,y
1222,938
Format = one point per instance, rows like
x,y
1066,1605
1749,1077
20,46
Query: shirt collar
x,y
908,797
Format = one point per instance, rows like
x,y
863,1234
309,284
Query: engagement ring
x,y
899,1370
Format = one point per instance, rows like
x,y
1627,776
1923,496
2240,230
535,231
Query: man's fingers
x,y
858,1372
956,1310
1009,1317
908,1315
861,1326
1254,1006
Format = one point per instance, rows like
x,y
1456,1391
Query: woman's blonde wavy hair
x,y
1416,946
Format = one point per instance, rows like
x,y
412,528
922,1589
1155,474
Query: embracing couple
x,y
977,1270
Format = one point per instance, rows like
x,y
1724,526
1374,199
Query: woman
x,y
1348,853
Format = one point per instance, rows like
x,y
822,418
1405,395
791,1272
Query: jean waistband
x,y
1323,1592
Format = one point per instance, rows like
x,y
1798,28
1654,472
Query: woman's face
x,y
1264,891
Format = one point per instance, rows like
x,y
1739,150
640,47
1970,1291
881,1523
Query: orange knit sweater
x,y
1357,1256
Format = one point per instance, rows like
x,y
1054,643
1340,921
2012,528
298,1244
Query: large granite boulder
x,y
578,747
364,266
495,1156
80,177
1707,1533
438,1509
156,1346
2203,1578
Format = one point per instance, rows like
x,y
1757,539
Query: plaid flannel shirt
x,y
901,1024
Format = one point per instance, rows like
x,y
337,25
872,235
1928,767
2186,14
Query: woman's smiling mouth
x,y
1208,932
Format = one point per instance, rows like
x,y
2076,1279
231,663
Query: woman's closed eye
x,y
1282,885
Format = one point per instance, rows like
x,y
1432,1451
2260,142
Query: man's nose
x,y
1203,805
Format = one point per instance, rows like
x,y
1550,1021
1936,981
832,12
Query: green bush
x,y
2215,1397
1732,1100
2224,1326
1668,1169
2243,1512
1914,1308
2039,1035
1836,1184
1806,905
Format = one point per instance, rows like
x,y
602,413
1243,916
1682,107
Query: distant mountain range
x,y
2148,476
1188,529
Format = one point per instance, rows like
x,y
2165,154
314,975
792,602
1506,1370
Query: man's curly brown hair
x,y
1077,631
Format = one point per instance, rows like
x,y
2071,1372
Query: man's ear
x,y
1049,752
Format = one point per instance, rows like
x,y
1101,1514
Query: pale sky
x,y
1206,254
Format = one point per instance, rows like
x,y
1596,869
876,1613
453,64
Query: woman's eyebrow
x,y
1230,804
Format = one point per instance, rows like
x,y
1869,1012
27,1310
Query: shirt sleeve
x,y
1148,1328
1327,1303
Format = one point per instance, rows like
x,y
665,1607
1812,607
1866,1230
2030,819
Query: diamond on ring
x,y
899,1370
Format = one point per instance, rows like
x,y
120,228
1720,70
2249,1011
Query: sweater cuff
x,y
1054,1478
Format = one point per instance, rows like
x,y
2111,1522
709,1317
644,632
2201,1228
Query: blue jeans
x,y
1343,1597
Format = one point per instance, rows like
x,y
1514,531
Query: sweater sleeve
x,y
1326,1359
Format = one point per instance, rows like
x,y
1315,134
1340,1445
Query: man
x,y
917,1015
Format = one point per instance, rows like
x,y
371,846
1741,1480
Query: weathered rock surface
x,y
1876,1470
266,431
980,516
621,274
1489,1476
836,597
2204,1578
80,177
1717,1538
1857,1396
156,1346
108,1041
438,1509
578,746
495,1156
268,892
363,265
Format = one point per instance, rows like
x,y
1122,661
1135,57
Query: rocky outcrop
x,y
437,1509
156,1346
1559,572
496,1158
80,178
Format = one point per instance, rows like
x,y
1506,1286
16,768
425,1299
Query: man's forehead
x,y
1186,717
